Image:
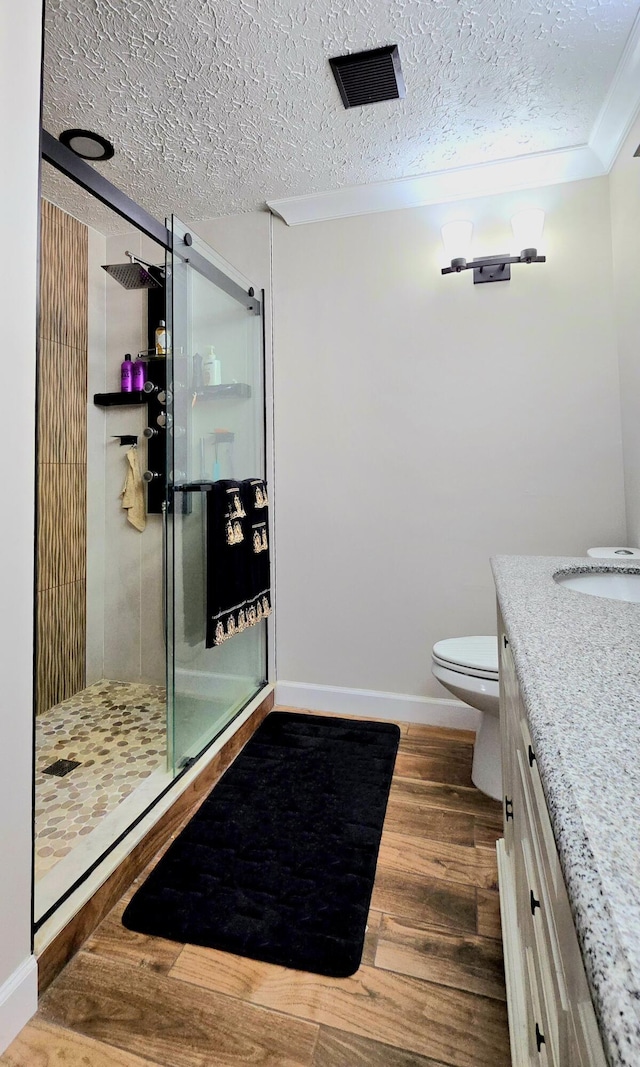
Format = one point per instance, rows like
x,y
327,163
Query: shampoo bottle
x,y
162,339
211,368
126,374
139,374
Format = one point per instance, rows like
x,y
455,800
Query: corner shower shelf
x,y
228,391
109,400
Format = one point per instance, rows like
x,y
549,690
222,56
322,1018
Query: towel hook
x,y
125,438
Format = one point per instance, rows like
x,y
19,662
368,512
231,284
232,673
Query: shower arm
x,y
136,259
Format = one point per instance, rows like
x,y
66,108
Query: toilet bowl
x,y
468,668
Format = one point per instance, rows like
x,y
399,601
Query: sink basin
x,y
616,585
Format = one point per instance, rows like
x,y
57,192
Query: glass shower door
x,y
215,430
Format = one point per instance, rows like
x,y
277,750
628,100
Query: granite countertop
x,y
578,663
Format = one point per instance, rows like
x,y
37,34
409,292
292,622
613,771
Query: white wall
x,y
625,227
243,240
20,49
424,424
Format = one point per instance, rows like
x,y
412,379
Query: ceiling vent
x,y
369,77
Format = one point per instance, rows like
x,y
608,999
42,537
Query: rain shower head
x,y
136,274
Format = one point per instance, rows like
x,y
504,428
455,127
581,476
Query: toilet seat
x,y
474,656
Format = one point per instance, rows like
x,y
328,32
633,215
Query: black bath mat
x,y
278,863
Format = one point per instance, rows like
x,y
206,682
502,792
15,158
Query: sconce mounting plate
x,y
493,269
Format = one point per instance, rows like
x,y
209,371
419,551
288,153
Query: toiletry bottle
x,y
139,374
126,374
211,368
162,339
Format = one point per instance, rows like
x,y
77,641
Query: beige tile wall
x,y
61,538
134,648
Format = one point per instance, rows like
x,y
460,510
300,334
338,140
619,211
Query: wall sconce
x,y
527,228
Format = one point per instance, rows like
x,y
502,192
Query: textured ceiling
x,y
215,107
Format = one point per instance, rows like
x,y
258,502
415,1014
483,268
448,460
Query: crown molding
x,y
461,183
621,103
592,160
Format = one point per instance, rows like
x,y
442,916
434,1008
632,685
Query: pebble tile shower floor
x,y
116,732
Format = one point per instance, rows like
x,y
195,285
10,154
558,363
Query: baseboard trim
x,y
18,1001
373,704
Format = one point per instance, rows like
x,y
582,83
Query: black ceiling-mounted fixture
x,y
369,77
87,145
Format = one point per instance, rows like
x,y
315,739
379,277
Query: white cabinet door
x,y
551,1016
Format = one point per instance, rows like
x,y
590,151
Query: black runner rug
x,y
278,863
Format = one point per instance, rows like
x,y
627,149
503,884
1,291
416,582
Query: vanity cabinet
x,y
551,1018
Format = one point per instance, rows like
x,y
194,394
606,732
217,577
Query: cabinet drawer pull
x,y
532,756
534,903
540,1041
508,809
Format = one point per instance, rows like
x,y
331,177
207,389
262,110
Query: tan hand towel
x,y
133,492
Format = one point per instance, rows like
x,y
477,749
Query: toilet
x,y
468,668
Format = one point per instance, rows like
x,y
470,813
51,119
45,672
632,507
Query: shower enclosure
x,y
200,418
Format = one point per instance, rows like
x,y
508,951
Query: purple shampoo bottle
x,y
126,374
139,374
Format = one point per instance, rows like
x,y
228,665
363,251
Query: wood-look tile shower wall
x,y
62,459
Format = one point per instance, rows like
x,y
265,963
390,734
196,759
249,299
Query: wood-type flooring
x,y
429,992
